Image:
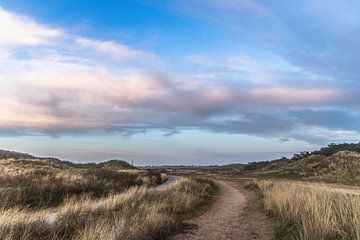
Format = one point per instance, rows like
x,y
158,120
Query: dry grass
x,y
310,211
39,184
138,213
341,168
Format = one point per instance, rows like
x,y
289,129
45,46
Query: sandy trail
x,y
171,180
55,213
228,219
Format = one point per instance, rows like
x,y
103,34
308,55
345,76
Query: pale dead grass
x,y
138,213
309,211
40,184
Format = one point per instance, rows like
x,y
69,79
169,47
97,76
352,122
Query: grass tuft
x,y
309,211
141,212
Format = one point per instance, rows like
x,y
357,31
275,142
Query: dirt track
x,y
54,214
229,218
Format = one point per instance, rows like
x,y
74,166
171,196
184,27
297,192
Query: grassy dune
x,y
49,199
138,213
310,211
342,167
39,184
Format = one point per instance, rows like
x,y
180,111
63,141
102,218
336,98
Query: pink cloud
x,y
293,96
48,91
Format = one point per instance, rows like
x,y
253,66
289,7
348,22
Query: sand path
x,y
228,218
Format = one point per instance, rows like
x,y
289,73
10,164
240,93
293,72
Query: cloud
x,y
50,87
17,31
335,119
242,68
318,38
253,70
321,39
110,48
281,96
85,97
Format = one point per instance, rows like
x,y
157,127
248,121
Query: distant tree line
x,y
326,151
329,150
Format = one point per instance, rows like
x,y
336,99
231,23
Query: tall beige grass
x,y
39,184
310,211
138,213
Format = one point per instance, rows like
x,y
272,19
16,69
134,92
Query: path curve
x,y
171,180
226,219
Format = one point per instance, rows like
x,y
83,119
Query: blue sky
x,y
178,82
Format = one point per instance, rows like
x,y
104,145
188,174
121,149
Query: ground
x,y
231,217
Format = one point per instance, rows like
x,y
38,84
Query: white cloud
x,y
109,48
17,31
253,71
48,86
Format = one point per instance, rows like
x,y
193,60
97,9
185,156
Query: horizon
x,y
130,161
201,82
133,163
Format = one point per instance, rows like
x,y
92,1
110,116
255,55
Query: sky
x,y
178,81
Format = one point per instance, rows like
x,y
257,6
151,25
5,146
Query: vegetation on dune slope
x,y
342,167
49,199
5,154
308,211
139,213
38,183
327,151
330,150
312,211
